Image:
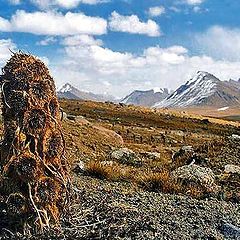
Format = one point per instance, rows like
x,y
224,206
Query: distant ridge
x,y
69,92
204,89
146,98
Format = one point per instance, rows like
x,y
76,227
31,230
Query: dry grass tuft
x,y
110,171
160,181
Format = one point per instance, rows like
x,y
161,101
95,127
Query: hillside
x,y
122,159
204,89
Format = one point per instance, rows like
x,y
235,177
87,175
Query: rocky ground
x,y
142,174
116,211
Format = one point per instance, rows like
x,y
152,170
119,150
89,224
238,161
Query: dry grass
x,y
110,171
158,182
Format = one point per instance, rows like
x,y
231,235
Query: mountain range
x,y
146,98
204,89
69,92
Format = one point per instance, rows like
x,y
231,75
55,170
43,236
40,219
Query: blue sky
x,y
116,46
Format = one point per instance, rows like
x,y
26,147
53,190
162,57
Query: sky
x,y
117,46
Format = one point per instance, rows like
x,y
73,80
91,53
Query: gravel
x,y
107,210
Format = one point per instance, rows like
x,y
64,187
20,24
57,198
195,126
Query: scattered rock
x,y
230,231
205,121
151,155
64,116
107,163
197,159
80,167
185,150
126,156
195,174
235,137
71,117
230,168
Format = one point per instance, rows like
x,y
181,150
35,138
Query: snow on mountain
x,y
146,98
202,89
69,92
65,88
223,109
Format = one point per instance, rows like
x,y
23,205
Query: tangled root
x,y
34,175
16,204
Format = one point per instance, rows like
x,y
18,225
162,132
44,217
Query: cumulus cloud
x,y
132,24
156,11
53,23
46,4
220,42
96,68
5,46
5,25
81,40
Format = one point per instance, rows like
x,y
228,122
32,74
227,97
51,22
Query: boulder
x,y
195,174
126,156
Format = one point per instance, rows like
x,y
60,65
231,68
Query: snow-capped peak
x,y
198,88
158,90
65,88
201,75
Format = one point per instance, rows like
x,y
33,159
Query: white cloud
x,y
81,40
46,4
4,25
99,69
156,11
53,23
132,24
6,46
194,2
47,41
220,42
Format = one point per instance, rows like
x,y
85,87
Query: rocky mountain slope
x,y
69,92
146,98
204,89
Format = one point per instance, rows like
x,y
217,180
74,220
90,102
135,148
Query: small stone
x,y
230,231
235,137
151,155
233,169
187,148
80,167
